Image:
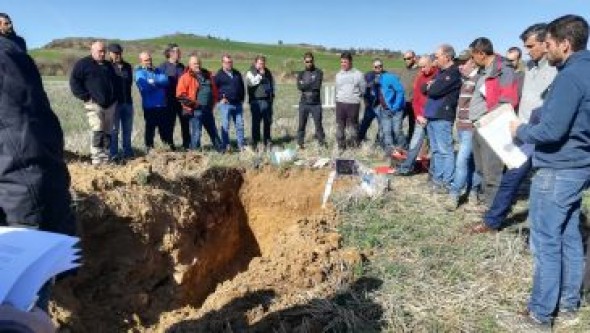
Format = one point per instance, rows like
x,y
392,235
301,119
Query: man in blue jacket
x,y
440,110
390,102
562,162
152,84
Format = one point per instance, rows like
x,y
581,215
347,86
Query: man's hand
x,y
421,120
514,126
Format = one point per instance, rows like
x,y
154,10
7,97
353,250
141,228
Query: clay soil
x,y
173,245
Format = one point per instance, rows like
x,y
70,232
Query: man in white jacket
x,y
350,85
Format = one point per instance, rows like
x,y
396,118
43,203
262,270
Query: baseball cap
x,y
115,48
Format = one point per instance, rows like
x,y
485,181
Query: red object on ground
x,y
399,154
384,170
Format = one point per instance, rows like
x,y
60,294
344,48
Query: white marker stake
x,y
328,189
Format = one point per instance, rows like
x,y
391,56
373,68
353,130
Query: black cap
x,y
115,48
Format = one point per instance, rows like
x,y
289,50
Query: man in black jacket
x,y
34,180
261,93
174,69
93,81
309,82
230,91
123,118
7,31
440,110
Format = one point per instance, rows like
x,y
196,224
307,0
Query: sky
x,y
396,25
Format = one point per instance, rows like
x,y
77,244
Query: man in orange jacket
x,y
197,93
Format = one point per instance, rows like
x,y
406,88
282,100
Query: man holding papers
x,y
537,78
562,172
34,180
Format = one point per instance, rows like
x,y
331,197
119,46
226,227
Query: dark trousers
x,y
175,111
368,116
409,113
261,112
505,195
489,166
316,113
347,120
157,118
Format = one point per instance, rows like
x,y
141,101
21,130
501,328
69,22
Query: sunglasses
x,y
406,59
309,61
378,66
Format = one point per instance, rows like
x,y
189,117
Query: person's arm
x,y
77,83
558,114
444,84
362,83
397,86
14,320
161,79
241,91
141,80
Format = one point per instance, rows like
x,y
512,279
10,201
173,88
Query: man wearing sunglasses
x,y
309,82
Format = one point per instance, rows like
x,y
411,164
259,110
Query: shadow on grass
x,y
348,311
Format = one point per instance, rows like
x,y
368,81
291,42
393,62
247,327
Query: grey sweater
x,y
350,86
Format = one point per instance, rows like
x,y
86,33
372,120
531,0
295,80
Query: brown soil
x,y
171,245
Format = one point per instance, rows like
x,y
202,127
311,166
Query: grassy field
x,y
434,276
282,59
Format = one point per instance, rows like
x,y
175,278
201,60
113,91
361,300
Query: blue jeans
x,y
122,119
261,112
203,117
413,149
505,195
465,175
440,133
555,240
390,129
235,112
368,116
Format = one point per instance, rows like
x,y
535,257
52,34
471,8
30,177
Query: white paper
x,y
28,259
495,130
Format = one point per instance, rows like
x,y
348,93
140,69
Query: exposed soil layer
x,y
173,245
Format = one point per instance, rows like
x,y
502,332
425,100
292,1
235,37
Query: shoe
x,y
566,318
524,321
481,228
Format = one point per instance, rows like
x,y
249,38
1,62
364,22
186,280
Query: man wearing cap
x,y
371,100
7,31
465,176
93,81
123,118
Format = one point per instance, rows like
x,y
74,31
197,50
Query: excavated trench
x,y
168,241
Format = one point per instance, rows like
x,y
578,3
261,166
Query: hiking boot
x,y
480,228
523,321
566,318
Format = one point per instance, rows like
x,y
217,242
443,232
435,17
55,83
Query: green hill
x,y
57,57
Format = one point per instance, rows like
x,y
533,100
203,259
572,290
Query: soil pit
x,y
171,245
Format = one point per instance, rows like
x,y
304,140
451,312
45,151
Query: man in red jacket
x,y
497,84
426,73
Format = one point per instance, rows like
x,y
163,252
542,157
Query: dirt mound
x,y
172,245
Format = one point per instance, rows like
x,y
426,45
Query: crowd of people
x,y
443,96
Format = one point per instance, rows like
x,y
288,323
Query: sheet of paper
x,y
494,128
29,258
